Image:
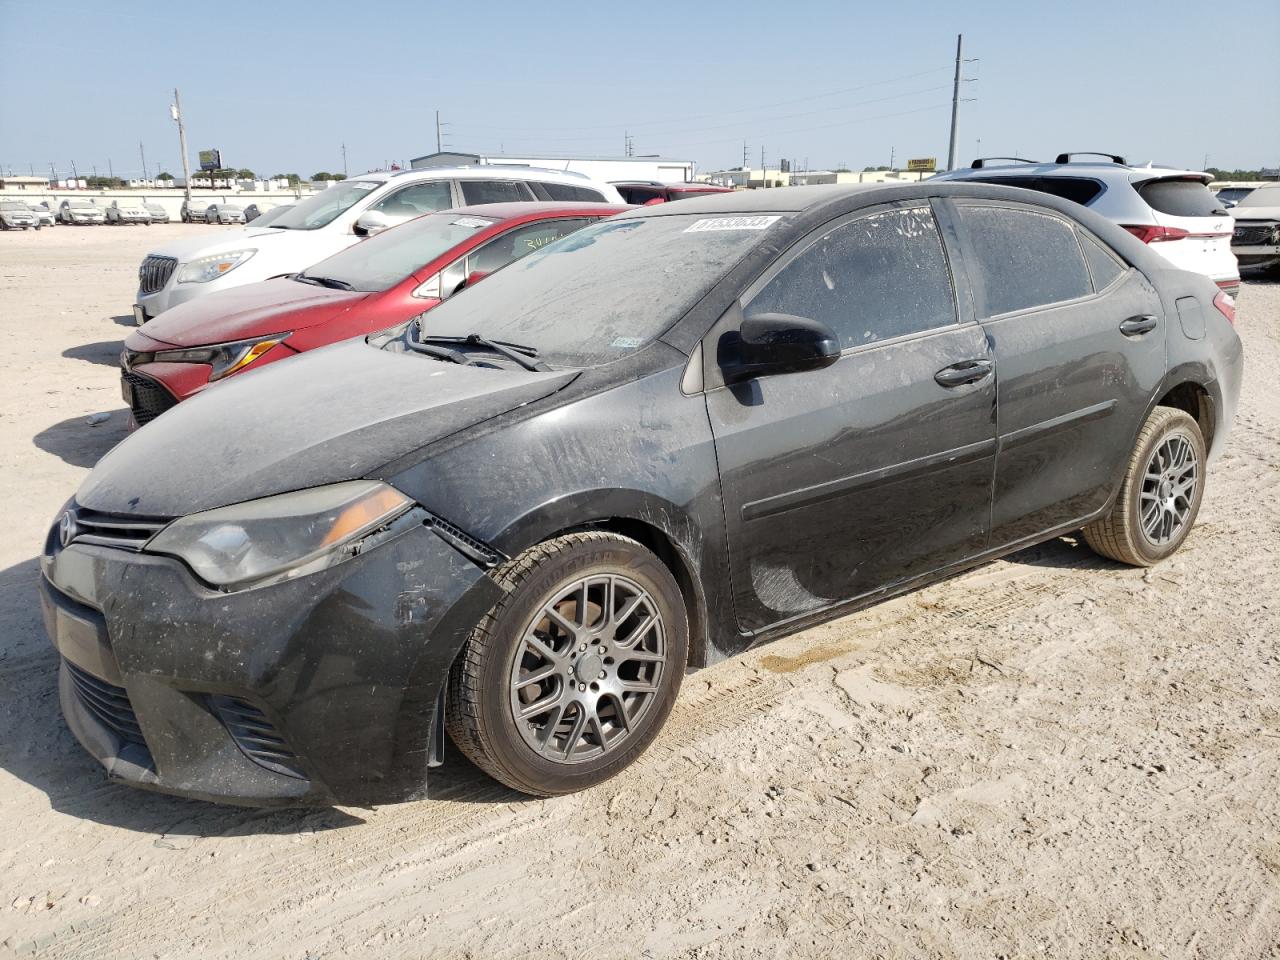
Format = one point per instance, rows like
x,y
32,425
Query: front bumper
x,y
342,669
1256,255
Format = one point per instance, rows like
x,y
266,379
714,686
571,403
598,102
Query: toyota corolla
x,y
646,447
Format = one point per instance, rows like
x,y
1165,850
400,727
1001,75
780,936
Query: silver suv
x,y
1173,210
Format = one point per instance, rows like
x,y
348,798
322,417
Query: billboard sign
x,y
923,164
210,160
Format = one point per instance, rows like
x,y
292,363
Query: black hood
x,y
334,414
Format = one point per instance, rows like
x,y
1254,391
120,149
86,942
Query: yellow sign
x,y
924,163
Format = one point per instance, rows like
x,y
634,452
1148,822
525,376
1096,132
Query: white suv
x,y
1173,210
332,219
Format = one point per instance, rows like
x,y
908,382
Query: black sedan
x,y
644,448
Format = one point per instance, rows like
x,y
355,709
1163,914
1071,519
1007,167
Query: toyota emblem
x,y
67,528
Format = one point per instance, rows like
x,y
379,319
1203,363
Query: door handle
x,y
1137,326
966,371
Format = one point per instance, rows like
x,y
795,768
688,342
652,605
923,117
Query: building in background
x,y
22,184
600,169
813,177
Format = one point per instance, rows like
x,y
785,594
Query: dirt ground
x,y
1052,756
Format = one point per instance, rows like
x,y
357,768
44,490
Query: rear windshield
x,y
1079,190
323,208
1180,198
604,291
382,261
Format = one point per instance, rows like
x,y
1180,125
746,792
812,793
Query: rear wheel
x,y
1160,495
571,675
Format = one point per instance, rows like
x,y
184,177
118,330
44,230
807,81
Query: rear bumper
x,y
339,673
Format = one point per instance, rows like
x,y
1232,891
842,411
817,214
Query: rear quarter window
x,y
1079,190
1180,198
1103,266
567,191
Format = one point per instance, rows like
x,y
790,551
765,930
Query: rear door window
x,y
1079,190
494,191
1181,198
567,191
869,279
1103,266
1025,259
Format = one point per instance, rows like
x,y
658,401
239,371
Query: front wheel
x,y
1160,495
568,679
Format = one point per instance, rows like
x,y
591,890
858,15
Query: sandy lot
x,y
1052,756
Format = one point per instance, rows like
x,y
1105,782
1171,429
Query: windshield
x,y
14,205
321,209
604,291
80,204
382,261
1262,197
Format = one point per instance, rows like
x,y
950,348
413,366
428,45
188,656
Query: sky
x,y
281,88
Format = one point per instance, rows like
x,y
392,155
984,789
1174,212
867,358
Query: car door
x,y
1078,338
840,481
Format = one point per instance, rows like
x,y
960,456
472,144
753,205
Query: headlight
x,y
225,358
210,268
280,537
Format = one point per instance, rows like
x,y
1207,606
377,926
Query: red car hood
x,y
253,310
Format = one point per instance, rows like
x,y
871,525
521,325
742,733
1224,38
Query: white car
x,y
157,212
16,215
326,222
193,211
80,211
1172,210
127,211
224,213
42,212
1256,238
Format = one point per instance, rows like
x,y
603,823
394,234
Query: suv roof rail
x,y
1114,158
531,169
983,161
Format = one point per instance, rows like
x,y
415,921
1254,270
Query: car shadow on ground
x,y
37,748
125,320
105,352
82,443
1062,552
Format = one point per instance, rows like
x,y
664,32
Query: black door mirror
x,y
780,343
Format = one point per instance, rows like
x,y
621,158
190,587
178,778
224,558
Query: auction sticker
x,y
470,222
731,223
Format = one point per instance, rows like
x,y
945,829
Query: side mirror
x,y
780,343
369,223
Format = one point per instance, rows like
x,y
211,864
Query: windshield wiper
x,y
515,352
325,281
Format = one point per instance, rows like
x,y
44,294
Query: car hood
x,y
1256,213
192,247
270,306
338,413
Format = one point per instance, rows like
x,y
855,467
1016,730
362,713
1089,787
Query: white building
x,y
600,169
36,184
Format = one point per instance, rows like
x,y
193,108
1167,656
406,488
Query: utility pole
x,y
110,170
344,159
143,154
893,154
175,111
744,154
955,105
438,141
75,173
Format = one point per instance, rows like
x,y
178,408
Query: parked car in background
x,y
193,211
1256,237
156,212
255,210
127,211
43,213
649,191
1230,196
80,211
1170,209
662,440
268,217
385,280
325,222
224,213
16,215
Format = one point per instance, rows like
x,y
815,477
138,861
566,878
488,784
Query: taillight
x,y
1226,305
1153,234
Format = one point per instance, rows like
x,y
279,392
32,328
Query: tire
x,y
1169,454
490,679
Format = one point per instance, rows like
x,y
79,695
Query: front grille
x,y
108,703
255,735
155,273
147,398
111,530
1248,236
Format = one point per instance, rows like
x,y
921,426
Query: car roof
x,y
1097,170
774,200
541,209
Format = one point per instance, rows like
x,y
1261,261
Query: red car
x,y
651,191
371,285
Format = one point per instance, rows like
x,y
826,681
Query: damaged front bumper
x,y
323,689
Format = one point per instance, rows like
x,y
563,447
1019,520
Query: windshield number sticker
x,y
627,343
469,222
731,223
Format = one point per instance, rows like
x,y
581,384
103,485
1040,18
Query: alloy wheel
x,y
588,667
1168,489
